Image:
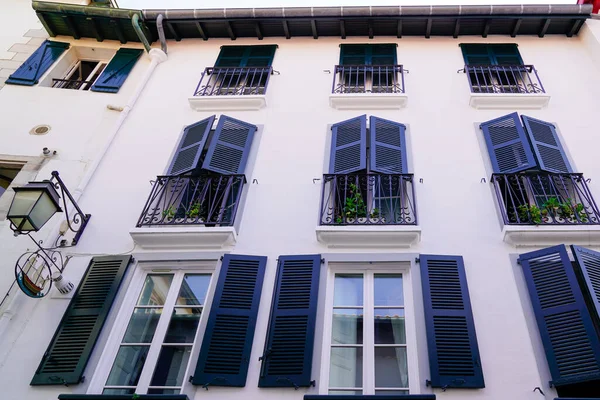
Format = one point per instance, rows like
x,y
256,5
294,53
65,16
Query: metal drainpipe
x,y
135,21
161,32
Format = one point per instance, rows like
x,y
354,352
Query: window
x,y
155,350
81,76
368,68
8,172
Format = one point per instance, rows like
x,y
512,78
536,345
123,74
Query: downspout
x,y
135,21
161,32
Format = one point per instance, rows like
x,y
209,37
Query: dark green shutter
x,y
117,70
451,339
367,54
491,54
246,56
287,358
190,147
29,73
225,353
70,349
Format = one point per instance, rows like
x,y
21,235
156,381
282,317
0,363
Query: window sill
x,y
368,101
228,103
399,236
372,397
502,101
538,235
122,397
186,237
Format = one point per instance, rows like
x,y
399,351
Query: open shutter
x,y
565,326
507,144
117,70
29,73
70,349
348,146
548,150
589,268
452,342
388,146
225,353
190,147
230,146
287,358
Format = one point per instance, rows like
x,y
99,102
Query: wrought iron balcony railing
x,y
504,79
233,81
75,84
368,199
198,200
541,198
368,79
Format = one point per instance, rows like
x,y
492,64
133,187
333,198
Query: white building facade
x,y
306,203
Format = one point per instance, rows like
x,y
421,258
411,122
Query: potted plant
x,y
565,211
374,216
195,210
530,213
169,213
355,208
581,213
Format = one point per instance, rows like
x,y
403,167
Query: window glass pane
x,y
391,368
128,366
347,326
346,367
391,392
193,290
348,290
388,290
142,325
345,392
163,391
155,290
171,365
389,326
118,391
182,328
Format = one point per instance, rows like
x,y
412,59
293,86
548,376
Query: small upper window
x,y
368,54
81,76
8,172
491,54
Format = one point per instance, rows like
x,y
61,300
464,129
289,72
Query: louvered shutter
x,y
353,54
287,358
225,353
507,145
589,267
348,146
452,342
246,56
230,146
117,70
190,147
70,349
388,147
565,326
506,54
476,54
548,150
30,72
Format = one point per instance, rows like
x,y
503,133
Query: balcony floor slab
x,y
397,236
368,101
509,101
228,103
542,236
184,237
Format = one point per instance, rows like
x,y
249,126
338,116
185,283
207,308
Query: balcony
x,y
368,210
368,87
505,87
540,208
233,88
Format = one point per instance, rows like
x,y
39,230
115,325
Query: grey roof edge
x,y
41,6
371,11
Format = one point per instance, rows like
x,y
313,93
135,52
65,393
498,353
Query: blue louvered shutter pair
x,y
454,360
564,320
228,150
387,146
510,145
30,72
491,54
114,75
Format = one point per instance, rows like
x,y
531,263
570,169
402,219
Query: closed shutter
x,y
452,342
367,54
287,358
353,54
246,56
70,349
507,145
589,267
225,353
565,326
388,146
230,146
476,54
548,150
506,54
117,70
348,146
491,54
190,147
29,73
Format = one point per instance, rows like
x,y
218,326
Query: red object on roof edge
x,y
596,4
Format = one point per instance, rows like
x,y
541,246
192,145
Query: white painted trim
x,y
541,236
398,236
508,101
228,103
368,101
184,237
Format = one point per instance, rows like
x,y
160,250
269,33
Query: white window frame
x,y
143,269
73,68
369,269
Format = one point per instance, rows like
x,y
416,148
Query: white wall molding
x,y
369,236
228,103
173,237
368,101
508,101
542,236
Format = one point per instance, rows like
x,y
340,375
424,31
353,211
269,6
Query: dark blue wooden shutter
x,y
452,342
348,146
117,70
225,353
548,150
288,352
70,349
230,146
190,147
565,325
29,73
507,144
589,268
388,146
